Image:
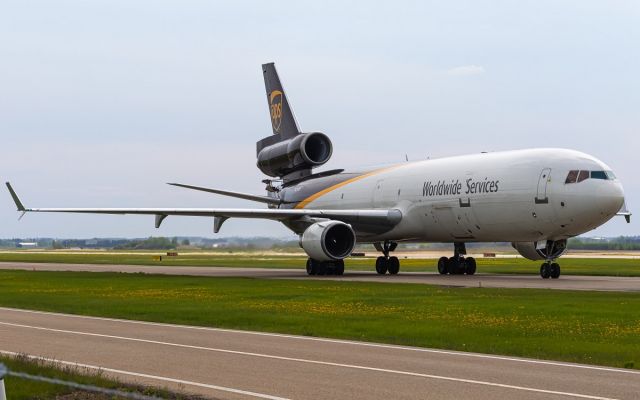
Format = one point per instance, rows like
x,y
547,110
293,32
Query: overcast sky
x,y
102,102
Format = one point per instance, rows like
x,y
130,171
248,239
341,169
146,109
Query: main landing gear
x,y
385,263
458,264
315,267
550,270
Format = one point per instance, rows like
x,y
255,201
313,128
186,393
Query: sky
x,y
103,102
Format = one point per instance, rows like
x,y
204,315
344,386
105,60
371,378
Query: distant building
x,y
26,244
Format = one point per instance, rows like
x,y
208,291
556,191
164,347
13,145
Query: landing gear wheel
x,y
381,265
393,265
339,267
545,271
470,265
453,266
442,265
311,266
321,268
555,270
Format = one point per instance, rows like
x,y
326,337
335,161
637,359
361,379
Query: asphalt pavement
x,y
228,364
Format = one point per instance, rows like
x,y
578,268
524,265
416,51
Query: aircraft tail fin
x,y
283,121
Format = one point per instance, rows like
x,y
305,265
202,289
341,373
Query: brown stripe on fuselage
x,y
322,192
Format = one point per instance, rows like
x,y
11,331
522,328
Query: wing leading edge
x,y
388,217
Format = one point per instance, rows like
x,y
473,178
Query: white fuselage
x,y
513,196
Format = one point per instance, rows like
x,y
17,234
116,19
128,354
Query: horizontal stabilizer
x,y
245,196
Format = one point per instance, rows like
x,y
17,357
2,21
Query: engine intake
x,y
304,151
328,241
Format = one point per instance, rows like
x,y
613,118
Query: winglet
x,y
16,199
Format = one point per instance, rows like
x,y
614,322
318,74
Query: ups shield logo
x,y
275,101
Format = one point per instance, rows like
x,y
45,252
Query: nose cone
x,y
610,197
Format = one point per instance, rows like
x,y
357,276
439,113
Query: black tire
x,y
381,265
453,266
470,265
393,265
545,271
322,268
555,271
442,265
339,267
311,266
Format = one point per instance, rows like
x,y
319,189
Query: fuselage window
x,y
599,175
583,175
571,178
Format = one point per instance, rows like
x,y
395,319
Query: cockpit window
x,y
583,175
598,175
579,176
571,178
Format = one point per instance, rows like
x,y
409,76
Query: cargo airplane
x,y
535,198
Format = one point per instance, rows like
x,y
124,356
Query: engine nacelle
x,y
304,151
541,250
328,240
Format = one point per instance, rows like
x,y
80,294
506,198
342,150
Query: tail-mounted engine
x,y
302,152
288,153
328,240
546,250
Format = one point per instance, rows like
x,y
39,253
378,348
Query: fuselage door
x,y
543,181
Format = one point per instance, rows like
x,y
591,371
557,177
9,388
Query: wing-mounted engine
x,y
289,153
544,250
328,240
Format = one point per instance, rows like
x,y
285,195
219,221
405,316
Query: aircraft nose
x,y
611,197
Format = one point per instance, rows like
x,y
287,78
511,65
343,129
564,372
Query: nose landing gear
x,y
550,270
385,263
458,264
551,250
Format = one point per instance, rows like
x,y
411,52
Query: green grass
x,y
587,327
24,389
570,266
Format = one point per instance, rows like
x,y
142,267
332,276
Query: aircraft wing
x,y
389,217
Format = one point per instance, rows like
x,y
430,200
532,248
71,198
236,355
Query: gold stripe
x,y
314,196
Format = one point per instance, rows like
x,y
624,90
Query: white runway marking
x,y
307,361
338,341
140,375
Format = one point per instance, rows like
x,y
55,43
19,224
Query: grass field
x,y
587,327
24,389
570,266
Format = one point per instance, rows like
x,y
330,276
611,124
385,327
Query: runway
x,y
227,364
533,281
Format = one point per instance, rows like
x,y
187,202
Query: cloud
x,y
466,70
